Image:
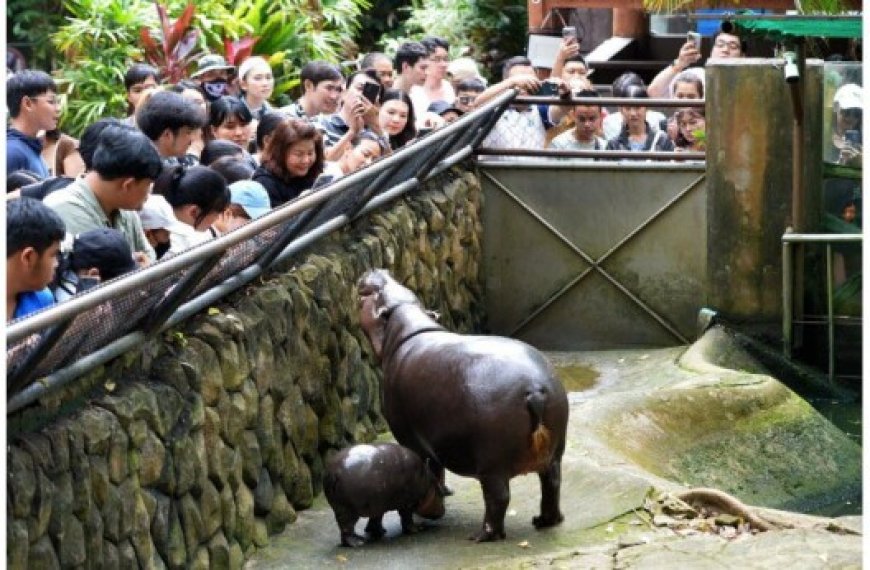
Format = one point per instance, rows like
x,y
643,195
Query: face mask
x,y
161,248
214,89
86,283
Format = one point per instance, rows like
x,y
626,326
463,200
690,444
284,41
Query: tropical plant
x,y
98,42
30,24
487,30
802,6
173,55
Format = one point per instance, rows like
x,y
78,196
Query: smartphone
x,y
548,89
569,32
695,38
372,92
853,137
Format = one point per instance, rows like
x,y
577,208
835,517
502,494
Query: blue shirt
x,y
23,153
32,301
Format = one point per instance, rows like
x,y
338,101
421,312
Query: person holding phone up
x,y
359,109
726,45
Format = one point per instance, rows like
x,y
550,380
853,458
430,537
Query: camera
x,y
695,38
792,74
569,32
853,137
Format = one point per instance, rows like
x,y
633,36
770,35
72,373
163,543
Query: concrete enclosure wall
x,y
749,166
190,451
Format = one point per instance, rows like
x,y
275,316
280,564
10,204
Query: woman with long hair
x,y
636,134
291,161
396,117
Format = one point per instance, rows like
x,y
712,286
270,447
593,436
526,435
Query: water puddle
x,y
577,378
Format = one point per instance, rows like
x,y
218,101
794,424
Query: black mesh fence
x,y
33,352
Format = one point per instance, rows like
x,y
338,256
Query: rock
x,y
93,527
119,445
281,513
219,552
111,556
138,431
191,523
59,438
237,557
98,425
169,410
210,508
161,522
264,494
176,549
228,511
200,559
252,401
252,460
99,481
21,481
141,534
244,531
186,461
134,402
62,502
17,544
265,429
111,513
127,496
42,555
234,366
70,541
232,414
261,533
204,360
38,447
152,459
297,479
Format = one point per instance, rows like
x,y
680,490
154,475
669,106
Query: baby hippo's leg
x,y
408,525
375,527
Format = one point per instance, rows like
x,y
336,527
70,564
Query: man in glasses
x,y
726,45
31,97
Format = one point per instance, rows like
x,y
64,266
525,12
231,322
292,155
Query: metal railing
x,y
788,320
50,348
601,154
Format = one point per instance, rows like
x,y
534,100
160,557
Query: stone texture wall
x,y
192,450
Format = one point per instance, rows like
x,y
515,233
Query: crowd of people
x,y
196,159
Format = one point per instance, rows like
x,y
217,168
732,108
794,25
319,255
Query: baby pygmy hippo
x,y
369,480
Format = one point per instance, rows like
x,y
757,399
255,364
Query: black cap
x,y
106,249
441,107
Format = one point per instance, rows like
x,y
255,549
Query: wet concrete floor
x,y
600,495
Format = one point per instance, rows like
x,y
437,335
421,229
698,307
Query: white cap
x,y
849,96
249,64
157,214
463,68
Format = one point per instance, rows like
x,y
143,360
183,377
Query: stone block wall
x,y
192,450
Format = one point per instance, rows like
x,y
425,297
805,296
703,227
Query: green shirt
x,y
80,211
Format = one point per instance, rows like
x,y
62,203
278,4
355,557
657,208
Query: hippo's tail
x,y
541,441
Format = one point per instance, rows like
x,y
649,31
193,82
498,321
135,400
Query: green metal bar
x,y
829,271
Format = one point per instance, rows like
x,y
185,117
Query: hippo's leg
x,y
375,528
551,481
441,475
346,523
407,517
496,496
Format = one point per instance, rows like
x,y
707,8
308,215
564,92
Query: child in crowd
x,y
33,235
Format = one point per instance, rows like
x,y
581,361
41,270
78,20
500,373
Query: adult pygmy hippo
x,y
481,406
369,480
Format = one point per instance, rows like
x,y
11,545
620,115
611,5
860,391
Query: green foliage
x,y
101,38
98,43
487,30
32,22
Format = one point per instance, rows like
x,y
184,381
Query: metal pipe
x,y
599,154
829,276
786,297
611,101
39,321
821,238
61,377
